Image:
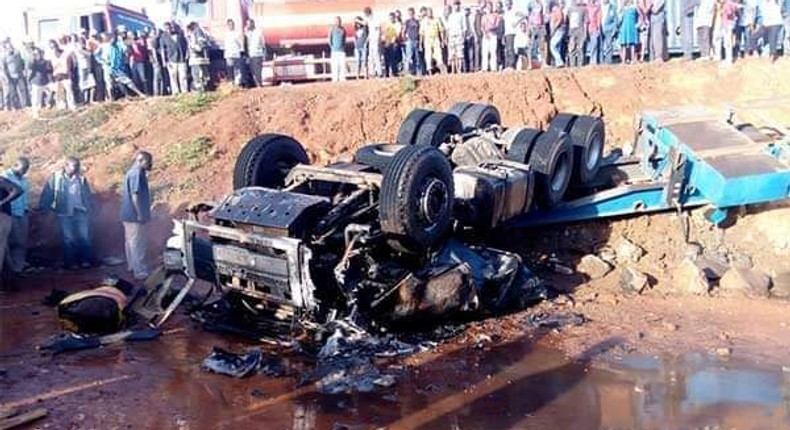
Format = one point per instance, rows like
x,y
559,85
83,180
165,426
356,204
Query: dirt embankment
x,y
195,140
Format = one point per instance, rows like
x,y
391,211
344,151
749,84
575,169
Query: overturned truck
x,y
391,236
382,239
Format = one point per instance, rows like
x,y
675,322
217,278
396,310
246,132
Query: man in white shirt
x,y
456,34
511,18
374,42
256,51
234,44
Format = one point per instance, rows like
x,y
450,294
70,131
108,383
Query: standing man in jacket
x,y
136,212
174,46
69,196
658,30
8,193
16,254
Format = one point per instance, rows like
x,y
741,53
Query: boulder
x,y
748,282
781,287
712,265
593,266
633,281
628,252
689,278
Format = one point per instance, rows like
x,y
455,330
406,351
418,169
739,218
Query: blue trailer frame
x,y
683,158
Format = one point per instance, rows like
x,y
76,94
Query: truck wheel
x,y
416,200
562,122
587,136
377,155
437,129
519,143
458,108
552,161
480,116
407,132
266,160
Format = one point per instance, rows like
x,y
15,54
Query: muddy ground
x,y
665,356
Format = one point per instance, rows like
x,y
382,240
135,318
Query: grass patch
x,y
191,154
186,105
408,84
76,129
82,146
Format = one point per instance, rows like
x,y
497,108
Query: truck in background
x,y
74,18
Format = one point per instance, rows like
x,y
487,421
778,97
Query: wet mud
x,y
516,383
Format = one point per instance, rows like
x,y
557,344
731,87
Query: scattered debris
x,y
68,341
689,278
556,320
749,282
237,365
670,326
628,252
633,281
346,362
593,266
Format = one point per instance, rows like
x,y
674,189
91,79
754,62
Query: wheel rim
x,y
594,152
561,173
433,202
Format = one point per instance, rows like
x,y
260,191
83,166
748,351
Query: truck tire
x,y
377,155
562,122
519,142
587,135
265,161
458,108
416,199
480,116
407,132
552,162
437,128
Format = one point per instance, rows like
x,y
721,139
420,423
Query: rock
x,y
593,266
670,326
749,282
692,251
633,281
688,278
712,266
608,255
741,260
723,352
628,252
781,288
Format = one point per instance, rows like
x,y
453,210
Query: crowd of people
x,y
489,36
67,195
82,69
495,36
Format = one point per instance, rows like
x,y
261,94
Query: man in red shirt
x,y
594,30
138,62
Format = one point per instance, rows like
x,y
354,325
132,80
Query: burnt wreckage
x,y
379,239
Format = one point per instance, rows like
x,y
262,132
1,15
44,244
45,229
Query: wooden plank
x,y
25,418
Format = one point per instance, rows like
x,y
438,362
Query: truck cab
x,y
90,18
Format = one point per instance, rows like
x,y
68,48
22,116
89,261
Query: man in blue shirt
x,y
136,212
17,241
69,196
